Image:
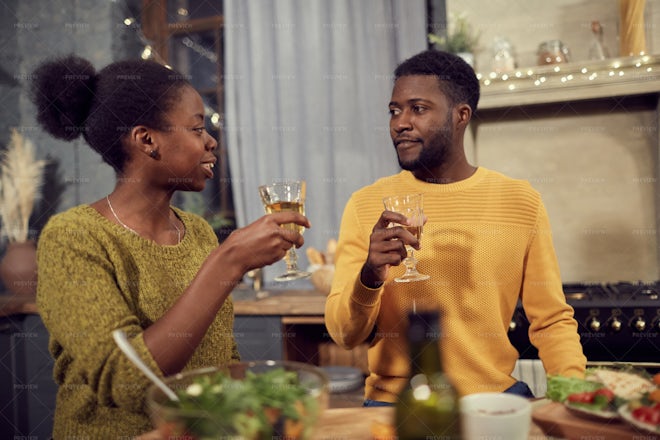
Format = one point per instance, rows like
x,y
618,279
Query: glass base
x,y
412,276
290,276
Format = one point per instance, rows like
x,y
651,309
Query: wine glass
x,y
281,197
411,206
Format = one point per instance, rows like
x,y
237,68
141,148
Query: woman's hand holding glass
x,y
287,196
264,241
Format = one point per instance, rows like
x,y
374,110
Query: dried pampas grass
x,y
21,177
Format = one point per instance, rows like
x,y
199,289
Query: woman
x,y
131,261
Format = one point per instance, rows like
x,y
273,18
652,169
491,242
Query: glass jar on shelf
x,y
552,52
503,56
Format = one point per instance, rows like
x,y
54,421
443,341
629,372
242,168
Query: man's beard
x,y
435,152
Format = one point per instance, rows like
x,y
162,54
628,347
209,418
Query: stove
x,y
617,322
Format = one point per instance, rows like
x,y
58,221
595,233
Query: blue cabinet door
x,y
259,337
41,389
27,389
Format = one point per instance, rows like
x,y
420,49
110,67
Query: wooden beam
x,y
154,25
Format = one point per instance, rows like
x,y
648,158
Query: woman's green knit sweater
x,y
95,277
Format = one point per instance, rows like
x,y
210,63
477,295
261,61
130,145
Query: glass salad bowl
x,y
247,400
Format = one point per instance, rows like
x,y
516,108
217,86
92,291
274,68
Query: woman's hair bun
x,y
63,90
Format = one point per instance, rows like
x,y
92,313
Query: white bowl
x,y
496,416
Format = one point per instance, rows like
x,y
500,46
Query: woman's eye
x,y
199,130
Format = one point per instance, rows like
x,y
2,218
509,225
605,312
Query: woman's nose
x,y
211,143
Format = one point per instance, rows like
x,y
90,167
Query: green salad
x,y
260,406
602,390
560,387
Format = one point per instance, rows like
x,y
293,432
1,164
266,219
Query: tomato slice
x,y
647,414
606,392
583,397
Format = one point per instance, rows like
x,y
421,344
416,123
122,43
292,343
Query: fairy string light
x,y
149,53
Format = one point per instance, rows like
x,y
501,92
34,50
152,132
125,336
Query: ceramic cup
x,y
495,416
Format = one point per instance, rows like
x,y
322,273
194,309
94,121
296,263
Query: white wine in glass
x,y
411,206
281,197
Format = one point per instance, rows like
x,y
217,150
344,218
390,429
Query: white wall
x,y
595,165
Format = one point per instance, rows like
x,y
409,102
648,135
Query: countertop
x,y
301,302
294,302
11,304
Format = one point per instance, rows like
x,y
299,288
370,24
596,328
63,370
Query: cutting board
x,y
555,420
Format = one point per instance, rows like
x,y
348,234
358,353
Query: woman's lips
x,y
208,169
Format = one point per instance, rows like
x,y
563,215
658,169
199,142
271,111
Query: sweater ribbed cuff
x,y
364,295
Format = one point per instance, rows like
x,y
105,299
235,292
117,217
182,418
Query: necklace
x,y
114,214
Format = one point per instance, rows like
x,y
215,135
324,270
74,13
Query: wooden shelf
x,y
571,82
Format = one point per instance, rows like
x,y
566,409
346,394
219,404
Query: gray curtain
x,y
307,88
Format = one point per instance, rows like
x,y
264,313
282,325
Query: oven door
x,y
604,341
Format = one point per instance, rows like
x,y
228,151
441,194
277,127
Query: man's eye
x,y
418,109
394,111
199,130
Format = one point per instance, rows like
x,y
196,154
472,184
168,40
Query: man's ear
x,y
464,113
143,139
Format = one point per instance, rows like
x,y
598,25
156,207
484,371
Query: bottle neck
x,y
425,357
423,337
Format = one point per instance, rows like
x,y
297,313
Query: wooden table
x,y
354,424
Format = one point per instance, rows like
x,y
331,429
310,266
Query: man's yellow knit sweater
x,y
487,243
95,277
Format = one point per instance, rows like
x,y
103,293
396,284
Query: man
x,y
486,244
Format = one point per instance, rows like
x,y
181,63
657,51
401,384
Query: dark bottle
x,y
428,407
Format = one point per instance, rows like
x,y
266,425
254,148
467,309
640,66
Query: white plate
x,y
626,414
591,413
343,378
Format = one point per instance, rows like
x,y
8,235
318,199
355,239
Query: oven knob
x,y
594,324
639,324
616,325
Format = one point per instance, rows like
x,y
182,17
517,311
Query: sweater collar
x,y
426,187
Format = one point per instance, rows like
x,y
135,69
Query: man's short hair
x,y
456,78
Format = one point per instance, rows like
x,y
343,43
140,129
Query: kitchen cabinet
x,y
288,325
276,338
278,324
27,389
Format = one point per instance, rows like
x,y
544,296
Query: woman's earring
x,y
153,154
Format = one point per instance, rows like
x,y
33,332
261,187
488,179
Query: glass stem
x,y
291,260
410,261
